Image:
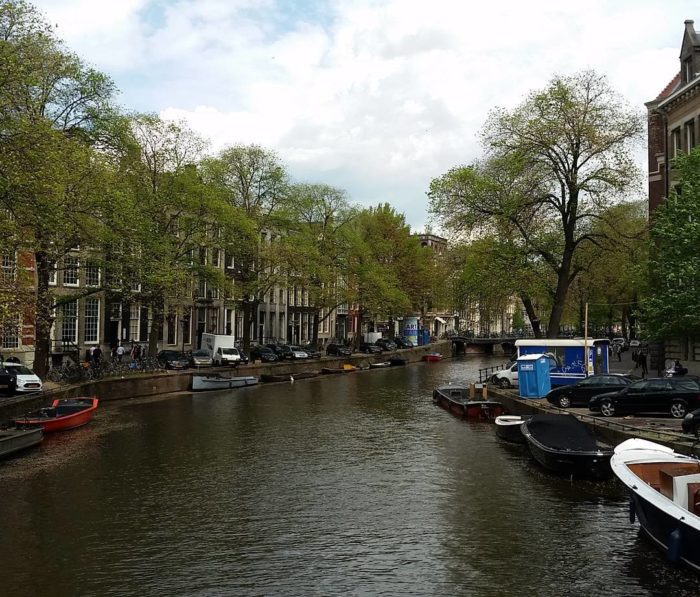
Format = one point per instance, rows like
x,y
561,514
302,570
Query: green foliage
x,y
552,166
672,307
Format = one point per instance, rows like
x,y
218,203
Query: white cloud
x,y
377,97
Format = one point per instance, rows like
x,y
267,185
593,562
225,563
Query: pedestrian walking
x,y
97,355
618,352
120,353
635,358
642,361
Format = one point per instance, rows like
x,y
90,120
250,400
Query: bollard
x,y
472,390
485,392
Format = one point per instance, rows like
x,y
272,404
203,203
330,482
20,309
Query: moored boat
x,y
382,365
664,496
331,371
15,440
456,399
220,382
508,428
432,357
291,377
564,445
63,414
397,361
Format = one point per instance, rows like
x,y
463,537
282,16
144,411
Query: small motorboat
x,y
331,371
432,357
457,400
664,496
508,428
397,361
290,377
564,445
63,414
383,365
202,383
15,439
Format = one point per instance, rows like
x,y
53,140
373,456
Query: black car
x,y
263,353
8,381
338,350
386,345
278,349
368,348
403,342
312,351
581,392
675,395
244,357
691,422
173,359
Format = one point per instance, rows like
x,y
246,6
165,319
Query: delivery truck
x,y
222,348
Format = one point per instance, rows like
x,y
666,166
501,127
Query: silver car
x,y
201,358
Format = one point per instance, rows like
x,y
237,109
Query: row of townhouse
x,y
88,315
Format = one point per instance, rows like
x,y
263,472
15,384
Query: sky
x,y
376,97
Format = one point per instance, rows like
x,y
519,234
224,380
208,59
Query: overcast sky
x,y
373,96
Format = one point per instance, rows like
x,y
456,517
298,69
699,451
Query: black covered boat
x,y
564,445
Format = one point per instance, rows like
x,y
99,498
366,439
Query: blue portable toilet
x,y
533,375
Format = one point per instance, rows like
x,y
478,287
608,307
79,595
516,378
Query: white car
x,y
27,380
506,377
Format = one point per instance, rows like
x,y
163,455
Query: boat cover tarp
x,y
562,432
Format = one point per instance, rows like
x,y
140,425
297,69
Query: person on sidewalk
x,y
642,362
120,353
618,352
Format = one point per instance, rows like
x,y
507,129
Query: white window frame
x,y
64,320
94,320
72,268
89,268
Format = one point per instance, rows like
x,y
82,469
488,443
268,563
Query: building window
x,y
92,275
688,69
676,142
172,329
70,271
689,135
52,273
134,322
92,319
9,264
9,331
69,322
215,257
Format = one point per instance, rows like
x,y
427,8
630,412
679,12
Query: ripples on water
x,y
342,485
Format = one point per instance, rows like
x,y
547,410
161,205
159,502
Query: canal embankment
x,y
168,382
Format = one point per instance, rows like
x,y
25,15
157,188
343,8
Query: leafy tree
x,y
54,112
254,181
551,167
672,307
315,246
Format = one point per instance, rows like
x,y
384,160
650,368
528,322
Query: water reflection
x,y
349,484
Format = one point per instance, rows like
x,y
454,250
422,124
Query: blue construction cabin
x,y
569,355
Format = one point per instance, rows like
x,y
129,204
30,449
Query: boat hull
x,y
464,408
432,358
508,429
202,383
13,441
660,526
68,414
579,464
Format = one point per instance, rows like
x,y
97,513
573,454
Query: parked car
x,y
292,352
403,342
278,349
338,350
244,357
621,341
506,377
386,345
311,351
201,358
674,395
368,348
9,384
580,393
264,354
173,359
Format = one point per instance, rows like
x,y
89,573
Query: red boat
x,y
62,415
432,357
456,399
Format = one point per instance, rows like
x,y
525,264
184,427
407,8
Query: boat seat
x,y
667,475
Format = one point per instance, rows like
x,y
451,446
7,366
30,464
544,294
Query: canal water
x,y
352,484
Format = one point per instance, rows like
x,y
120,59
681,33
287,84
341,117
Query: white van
x,y
506,377
222,348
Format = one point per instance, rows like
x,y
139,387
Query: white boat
x,y
665,496
508,428
220,382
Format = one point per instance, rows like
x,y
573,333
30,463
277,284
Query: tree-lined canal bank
x,y
332,485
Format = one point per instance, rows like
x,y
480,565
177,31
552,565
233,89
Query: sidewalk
x,y
627,366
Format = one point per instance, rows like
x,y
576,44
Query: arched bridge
x,y
467,345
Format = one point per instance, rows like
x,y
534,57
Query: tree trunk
x,y
314,332
43,318
531,314
247,311
158,309
559,303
